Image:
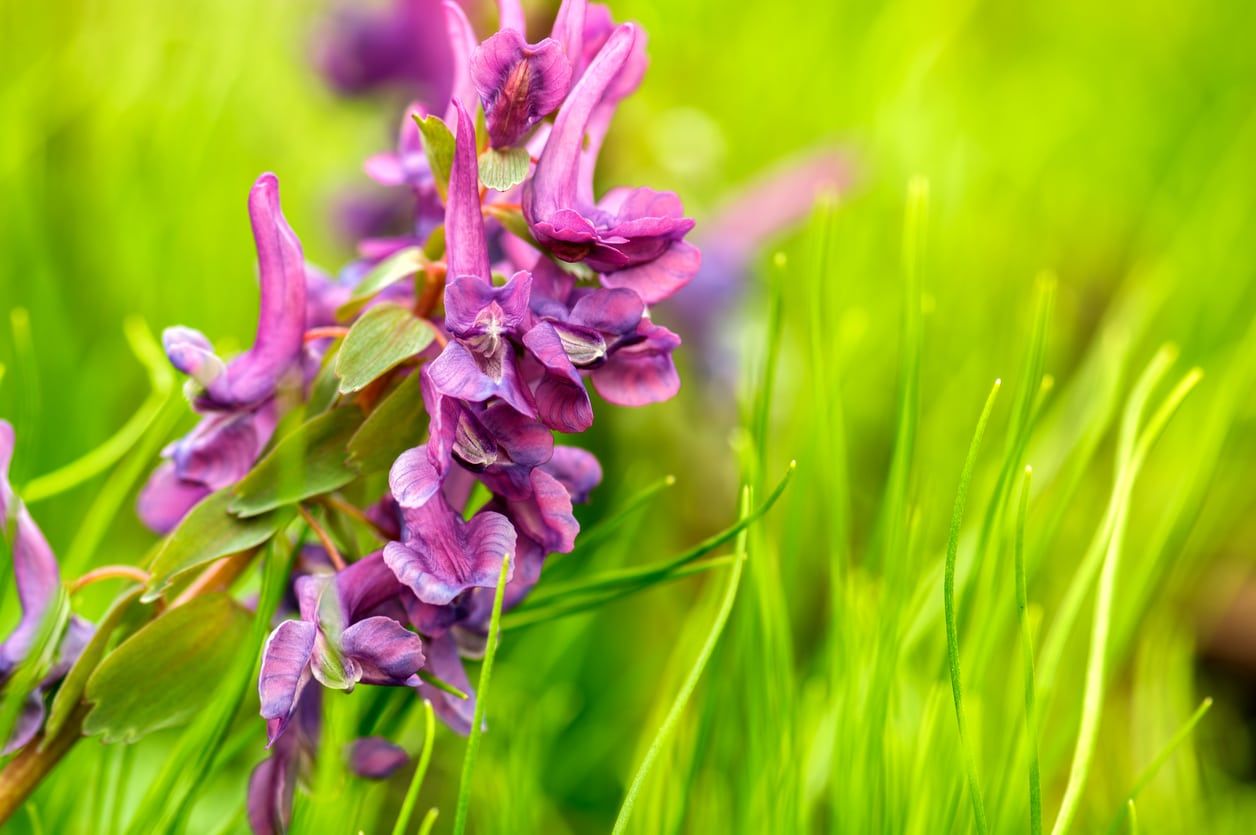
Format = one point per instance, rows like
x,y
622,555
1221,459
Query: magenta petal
x,y
524,441
576,469
375,758
641,373
281,323
413,478
166,499
191,352
461,38
221,449
562,402
386,651
519,83
656,280
444,556
553,186
444,663
546,517
610,311
34,565
472,305
569,32
285,672
457,373
467,251
270,796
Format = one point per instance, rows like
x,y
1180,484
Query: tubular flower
x,y
237,398
38,580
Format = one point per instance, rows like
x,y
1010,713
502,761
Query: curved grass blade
x,y
948,604
616,579
416,782
1153,767
605,527
481,699
1096,664
1027,649
691,681
161,380
429,821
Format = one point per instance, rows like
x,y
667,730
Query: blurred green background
x,y
1111,144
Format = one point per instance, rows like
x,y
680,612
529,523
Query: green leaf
x,y
503,170
168,671
434,246
513,220
394,268
397,424
208,532
386,335
438,144
71,689
309,461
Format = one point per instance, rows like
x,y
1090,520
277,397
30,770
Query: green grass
x,y
1088,203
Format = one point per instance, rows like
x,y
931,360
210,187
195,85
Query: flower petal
x,y
519,83
442,556
191,352
385,651
466,247
375,758
576,469
281,324
285,672
656,280
641,373
562,402
166,499
457,373
444,663
413,478
546,516
615,311
553,185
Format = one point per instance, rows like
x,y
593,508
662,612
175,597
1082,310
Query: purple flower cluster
x,y
533,311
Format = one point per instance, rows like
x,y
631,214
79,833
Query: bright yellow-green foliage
x,y
1087,240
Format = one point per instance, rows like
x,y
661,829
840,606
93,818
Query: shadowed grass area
x,y
1110,145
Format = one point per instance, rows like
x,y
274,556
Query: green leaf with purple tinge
x,y
166,672
208,532
502,170
309,461
438,145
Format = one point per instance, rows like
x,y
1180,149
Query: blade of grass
x,y
416,781
690,683
481,699
1096,665
948,605
429,821
604,528
104,456
613,579
1027,650
1149,772
893,518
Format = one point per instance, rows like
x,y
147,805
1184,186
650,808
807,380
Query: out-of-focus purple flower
x,y
635,236
745,223
360,50
237,398
337,641
274,779
375,758
519,83
445,663
37,579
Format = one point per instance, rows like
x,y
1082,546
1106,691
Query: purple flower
x,y
375,758
519,83
237,398
337,641
440,555
637,233
274,779
38,580
360,50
